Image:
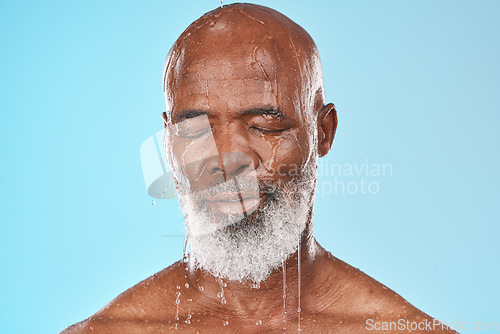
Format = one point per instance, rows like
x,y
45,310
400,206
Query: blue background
x,y
416,84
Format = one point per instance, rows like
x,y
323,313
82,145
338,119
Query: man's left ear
x,y
327,125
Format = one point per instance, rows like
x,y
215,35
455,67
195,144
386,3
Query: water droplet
x,y
259,322
201,288
225,323
186,285
220,294
177,299
221,1
188,319
256,286
153,202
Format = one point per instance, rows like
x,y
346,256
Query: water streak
x,y
184,249
283,312
221,293
177,302
298,307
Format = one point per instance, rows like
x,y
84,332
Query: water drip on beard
x,y
185,259
185,250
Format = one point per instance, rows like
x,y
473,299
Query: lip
x,y
235,203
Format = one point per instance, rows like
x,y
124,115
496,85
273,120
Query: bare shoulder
x,y
359,303
100,325
149,303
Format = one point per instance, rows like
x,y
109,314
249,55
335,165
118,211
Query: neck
x,y
280,292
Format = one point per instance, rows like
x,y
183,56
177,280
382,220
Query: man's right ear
x,y
327,125
165,120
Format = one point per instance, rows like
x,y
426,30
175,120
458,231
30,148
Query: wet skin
x,y
263,99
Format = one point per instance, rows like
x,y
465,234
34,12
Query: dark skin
x,y
225,83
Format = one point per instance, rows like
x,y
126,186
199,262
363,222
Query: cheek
x,y
173,151
189,156
286,156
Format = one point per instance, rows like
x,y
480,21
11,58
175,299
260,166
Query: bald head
x,y
250,43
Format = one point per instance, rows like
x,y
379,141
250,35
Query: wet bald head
x,y
250,43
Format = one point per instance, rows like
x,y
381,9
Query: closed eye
x,y
269,131
197,134
185,131
192,127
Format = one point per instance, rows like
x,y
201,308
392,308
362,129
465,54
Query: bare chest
x,y
265,324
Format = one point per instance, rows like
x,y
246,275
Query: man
x,y
245,124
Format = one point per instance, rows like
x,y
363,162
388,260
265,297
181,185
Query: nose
x,y
234,152
230,164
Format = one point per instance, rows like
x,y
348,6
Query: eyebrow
x,y
190,113
268,111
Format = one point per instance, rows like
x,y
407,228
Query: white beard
x,y
249,248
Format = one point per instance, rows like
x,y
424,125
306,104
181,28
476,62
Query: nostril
x,y
216,171
228,164
241,169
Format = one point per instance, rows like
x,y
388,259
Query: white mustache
x,y
236,185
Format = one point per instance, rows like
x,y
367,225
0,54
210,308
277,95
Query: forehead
x,y
236,79
233,61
